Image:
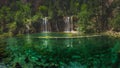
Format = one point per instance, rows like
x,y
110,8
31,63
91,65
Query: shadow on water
x,y
82,52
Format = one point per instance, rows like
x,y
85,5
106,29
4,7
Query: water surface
x,y
58,50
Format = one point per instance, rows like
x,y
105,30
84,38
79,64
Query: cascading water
x,y
71,19
45,25
68,24
68,21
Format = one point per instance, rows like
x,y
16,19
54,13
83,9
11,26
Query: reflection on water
x,y
45,42
85,52
28,39
69,42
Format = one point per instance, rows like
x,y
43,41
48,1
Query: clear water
x,y
54,50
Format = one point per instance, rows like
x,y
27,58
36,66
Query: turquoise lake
x,y
62,50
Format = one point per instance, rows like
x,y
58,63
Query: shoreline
x,y
108,33
112,34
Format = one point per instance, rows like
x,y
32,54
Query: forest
x,y
89,16
59,33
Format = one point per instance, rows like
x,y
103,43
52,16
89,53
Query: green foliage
x,y
23,13
43,10
5,17
92,15
84,19
3,46
115,23
4,13
74,5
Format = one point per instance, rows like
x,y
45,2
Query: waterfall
x,y
72,28
45,25
68,24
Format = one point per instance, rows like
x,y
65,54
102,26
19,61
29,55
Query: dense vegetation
x,y
19,17
89,15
